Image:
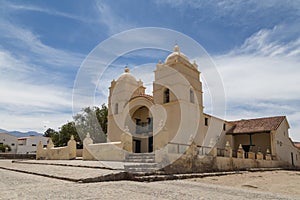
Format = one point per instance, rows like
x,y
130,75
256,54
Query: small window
x,y
224,127
192,96
137,121
33,145
3,139
206,121
1,142
12,144
167,96
116,108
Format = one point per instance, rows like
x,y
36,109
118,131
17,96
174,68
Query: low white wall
x,y
104,151
228,164
189,164
57,153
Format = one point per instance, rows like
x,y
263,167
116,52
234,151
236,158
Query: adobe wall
x,y
284,147
200,164
104,151
57,153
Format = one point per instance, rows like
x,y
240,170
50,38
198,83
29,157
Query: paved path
x,y
90,171
14,185
114,165
70,173
78,163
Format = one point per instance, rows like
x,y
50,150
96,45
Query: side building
x,y
10,140
28,145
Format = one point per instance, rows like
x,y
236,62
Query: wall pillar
x,y
268,155
240,152
72,148
214,152
86,155
228,150
40,151
126,140
259,156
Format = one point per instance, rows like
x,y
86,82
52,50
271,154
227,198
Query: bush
x,y
3,147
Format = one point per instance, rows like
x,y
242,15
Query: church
x,y
173,118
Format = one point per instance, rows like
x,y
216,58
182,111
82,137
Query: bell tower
x,y
177,87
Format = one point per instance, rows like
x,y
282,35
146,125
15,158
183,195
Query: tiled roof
x,y
297,144
256,125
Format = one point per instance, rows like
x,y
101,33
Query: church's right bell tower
x,y
177,87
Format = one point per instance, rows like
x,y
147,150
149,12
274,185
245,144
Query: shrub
x,y
3,147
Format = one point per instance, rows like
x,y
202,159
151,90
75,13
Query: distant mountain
x,y
21,134
3,131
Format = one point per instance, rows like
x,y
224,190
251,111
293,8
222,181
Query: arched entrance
x,y
142,131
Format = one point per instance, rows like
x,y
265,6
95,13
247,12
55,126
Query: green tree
x,y
102,117
60,138
65,133
53,134
3,147
89,120
94,121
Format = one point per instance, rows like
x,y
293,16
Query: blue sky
x,y
254,44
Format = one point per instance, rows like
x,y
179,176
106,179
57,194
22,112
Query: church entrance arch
x,y
140,122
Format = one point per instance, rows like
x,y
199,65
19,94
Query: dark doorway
x,y
137,146
292,157
150,144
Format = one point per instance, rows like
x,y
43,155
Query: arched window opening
x,y
116,108
192,96
167,96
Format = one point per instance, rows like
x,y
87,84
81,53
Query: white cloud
x,y
24,106
19,7
111,20
30,94
26,100
261,78
29,122
272,42
9,64
239,10
28,42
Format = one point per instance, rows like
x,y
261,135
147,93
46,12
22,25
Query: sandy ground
x,y
279,182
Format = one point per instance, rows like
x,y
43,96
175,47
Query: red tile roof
x,y
256,125
297,144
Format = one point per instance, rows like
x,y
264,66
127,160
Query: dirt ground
x,y
276,182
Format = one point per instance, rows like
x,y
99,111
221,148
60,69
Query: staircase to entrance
x,y
141,162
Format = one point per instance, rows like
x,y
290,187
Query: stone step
x,y
141,155
141,158
145,167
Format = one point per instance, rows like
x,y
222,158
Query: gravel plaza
x,y
31,184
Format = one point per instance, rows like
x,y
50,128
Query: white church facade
x,y
173,117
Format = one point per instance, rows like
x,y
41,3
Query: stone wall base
x,y
214,164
